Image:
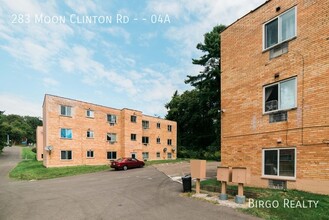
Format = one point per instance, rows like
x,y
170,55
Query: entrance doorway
x,y
133,155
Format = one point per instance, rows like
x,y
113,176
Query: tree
x,y
18,128
197,112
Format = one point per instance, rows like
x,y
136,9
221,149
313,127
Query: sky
x,y
122,54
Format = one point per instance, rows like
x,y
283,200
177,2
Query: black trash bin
x,y
187,183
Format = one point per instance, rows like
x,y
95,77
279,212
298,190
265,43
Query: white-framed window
x,y
133,118
169,155
145,155
169,142
145,140
145,124
158,125
280,96
158,155
90,134
111,137
169,128
112,119
65,110
280,29
158,140
133,137
66,155
90,154
66,133
89,113
111,155
279,162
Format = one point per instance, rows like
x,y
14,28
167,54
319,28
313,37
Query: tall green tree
x,y
197,112
19,128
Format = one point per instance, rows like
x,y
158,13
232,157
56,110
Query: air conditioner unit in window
x,y
271,105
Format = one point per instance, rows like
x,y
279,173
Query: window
x,y
280,29
169,155
158,141
90,134
145,140
169,128
66,133
279,162
112,119
90,113
133,118
145,124
111,155
90,154
169,141
280,96
133,137
111,137
66,110
145,155
158,125
66,155
158,155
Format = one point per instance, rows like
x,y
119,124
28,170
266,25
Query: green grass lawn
x,y
28,154
275,199
31,169
154,162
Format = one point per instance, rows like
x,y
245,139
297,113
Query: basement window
x,y
280,96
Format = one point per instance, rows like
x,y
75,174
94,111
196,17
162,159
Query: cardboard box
x,y
224,174
198,169
240,175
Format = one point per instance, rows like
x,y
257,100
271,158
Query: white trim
x,y
278,164
279,95
279,29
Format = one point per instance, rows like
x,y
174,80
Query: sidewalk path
x,y
9,158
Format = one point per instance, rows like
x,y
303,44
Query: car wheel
x,y
125,168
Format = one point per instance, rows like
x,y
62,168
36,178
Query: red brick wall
x,y
80,144
247,68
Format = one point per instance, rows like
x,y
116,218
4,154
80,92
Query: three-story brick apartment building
x,y
80,133
275,94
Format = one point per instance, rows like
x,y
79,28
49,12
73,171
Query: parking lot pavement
x,y
143,193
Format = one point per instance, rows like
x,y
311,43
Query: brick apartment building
x,y
275,94
81,133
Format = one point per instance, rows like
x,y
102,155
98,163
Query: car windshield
x,y
120,160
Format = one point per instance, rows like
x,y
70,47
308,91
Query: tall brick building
x,y
81,133
275,94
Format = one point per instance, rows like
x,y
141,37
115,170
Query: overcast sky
x,y
129,54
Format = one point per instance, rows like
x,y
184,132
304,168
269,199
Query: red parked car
x,y
125,163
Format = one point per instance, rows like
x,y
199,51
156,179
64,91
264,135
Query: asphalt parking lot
x,y
144,193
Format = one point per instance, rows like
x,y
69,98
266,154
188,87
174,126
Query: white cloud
x,y
83,8
120,33
47,81
13,104
93,72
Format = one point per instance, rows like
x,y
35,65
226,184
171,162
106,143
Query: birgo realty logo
x,y
285,203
